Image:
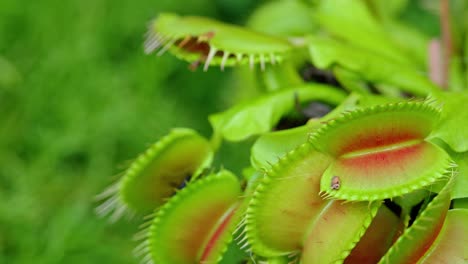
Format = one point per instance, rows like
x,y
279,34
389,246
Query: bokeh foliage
x,y
77,97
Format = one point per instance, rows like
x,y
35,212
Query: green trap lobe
x,y
183,225
285,202
157,173
389,173
376,127
381,151
335,231
217,241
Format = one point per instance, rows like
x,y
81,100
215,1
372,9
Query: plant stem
x,y
446,40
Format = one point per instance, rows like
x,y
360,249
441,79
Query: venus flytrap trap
x,y
195,225
201,40
157,173
376,178
381,152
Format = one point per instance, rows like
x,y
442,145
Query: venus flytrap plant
x,y
370,179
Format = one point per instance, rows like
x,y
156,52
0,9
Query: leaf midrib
x,y
373,150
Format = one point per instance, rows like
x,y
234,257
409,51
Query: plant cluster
x,y
360,152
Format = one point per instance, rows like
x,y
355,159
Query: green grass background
x,y
78,100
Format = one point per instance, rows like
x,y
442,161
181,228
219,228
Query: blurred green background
x,y
78,100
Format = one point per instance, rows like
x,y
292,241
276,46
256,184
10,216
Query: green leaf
x,y
373,67
352,21
459,24
413,42
387,9
460,188
457,81
460,203
280,76
272,146
350,80
283,18
262,114
453,126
